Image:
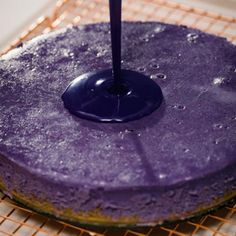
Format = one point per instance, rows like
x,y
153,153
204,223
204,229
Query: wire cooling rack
x,y
16,220
90,11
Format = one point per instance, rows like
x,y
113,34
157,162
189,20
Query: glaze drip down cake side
x,y
175,163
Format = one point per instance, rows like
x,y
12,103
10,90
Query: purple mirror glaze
x,y
113,95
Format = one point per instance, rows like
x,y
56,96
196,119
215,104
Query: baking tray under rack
x,y
16,220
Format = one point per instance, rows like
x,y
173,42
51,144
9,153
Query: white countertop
x,y
17,15
224,7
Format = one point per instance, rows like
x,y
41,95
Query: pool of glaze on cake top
x,y
113,95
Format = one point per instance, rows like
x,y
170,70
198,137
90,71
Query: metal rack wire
x,y
81,12
16,220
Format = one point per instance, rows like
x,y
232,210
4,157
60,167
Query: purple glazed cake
x,y
172,164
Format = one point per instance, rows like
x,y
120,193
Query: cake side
x,y
117,206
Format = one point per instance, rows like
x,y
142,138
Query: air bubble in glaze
x,y
154,65
217,141
101,53
141,69
186,150
179,107
145,39
192,37
129,131
66,52
159,76
108,146
218,126
159,29
218,81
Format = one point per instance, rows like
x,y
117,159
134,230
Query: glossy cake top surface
x,y
191,135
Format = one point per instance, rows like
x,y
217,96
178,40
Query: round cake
x,y
172,164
